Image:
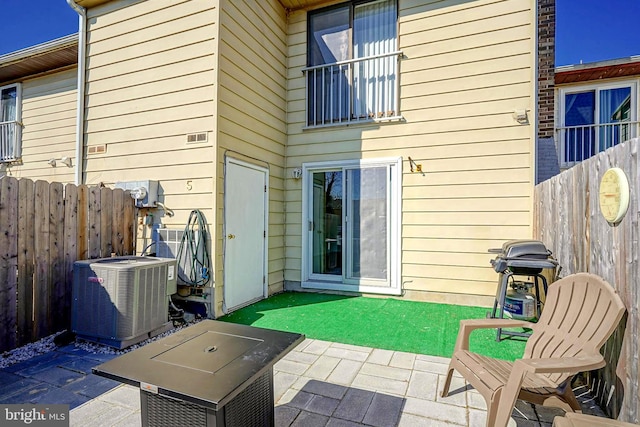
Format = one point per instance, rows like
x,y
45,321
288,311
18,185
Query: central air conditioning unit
x,y
121,301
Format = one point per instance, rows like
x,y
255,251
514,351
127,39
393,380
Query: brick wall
x,y
546,65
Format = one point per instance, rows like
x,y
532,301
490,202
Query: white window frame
x,y
18,121
323,282
594,87
346,67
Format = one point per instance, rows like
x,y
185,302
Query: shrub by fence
x,y
44,228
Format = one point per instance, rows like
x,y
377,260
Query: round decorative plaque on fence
x,y
614,195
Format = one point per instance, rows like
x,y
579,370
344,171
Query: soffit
x,y
597,73
38,60
287,4
90,3
303,4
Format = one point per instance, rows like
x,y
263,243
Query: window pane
x,y
367,223
615,107
374,80
580,109
327,223
8,104
579,139
329,36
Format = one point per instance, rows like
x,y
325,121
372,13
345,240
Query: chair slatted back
x,y
580,313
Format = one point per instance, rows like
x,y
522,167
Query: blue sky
x,y
586,30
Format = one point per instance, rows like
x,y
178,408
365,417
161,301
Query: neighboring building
x,y
38,88
368,147
596,107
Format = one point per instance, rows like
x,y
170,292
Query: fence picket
x,y
83,222
106,221
70,244
117,237
41,281
8,262
94,222
57,277
26,250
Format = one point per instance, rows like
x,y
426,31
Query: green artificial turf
x,y
386,323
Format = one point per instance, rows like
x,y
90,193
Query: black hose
x,y
193,255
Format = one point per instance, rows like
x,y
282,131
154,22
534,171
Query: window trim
x,y
18,120
394,287
633,84
397,53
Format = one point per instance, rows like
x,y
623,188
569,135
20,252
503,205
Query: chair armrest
x,y
469,325
557,365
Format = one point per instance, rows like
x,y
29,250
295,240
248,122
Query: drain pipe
x,y
82,42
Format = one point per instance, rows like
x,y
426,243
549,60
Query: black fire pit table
x,y
210,374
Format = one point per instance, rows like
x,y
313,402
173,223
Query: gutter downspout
x,y
82,42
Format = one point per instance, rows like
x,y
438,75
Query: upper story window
x,y
10,126
594,118
352,58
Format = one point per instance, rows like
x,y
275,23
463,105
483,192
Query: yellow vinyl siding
x,y
49,119
251,109
150,82
466,66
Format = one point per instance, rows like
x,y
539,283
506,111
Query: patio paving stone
x,y
57,376
284,415
376,383
316,347
309,419
18,386
354,405
402,360
322,405
55,394
323,367
92,386
421,385
386,372
343,353
380,357
384,410
437,411
345,372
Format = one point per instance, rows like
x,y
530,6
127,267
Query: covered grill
x,y
520,258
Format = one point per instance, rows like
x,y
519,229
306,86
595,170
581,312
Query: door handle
x,y
231,236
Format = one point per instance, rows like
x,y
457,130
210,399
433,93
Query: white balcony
x,y
10,141
578,143
353,91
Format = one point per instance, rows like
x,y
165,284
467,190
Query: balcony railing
x,y
10,141
578,143
353,91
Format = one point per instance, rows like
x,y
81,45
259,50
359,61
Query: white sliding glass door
x,y
352,231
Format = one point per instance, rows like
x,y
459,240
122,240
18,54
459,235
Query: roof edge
x,y
598,64
39,49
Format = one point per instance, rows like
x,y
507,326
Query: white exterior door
x,y
245,231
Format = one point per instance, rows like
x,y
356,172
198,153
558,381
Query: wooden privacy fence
x,y
568,220
44,228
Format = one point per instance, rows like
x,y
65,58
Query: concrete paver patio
x,y
337,385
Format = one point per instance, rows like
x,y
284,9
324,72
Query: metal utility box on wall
x,y
144,192
120,301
